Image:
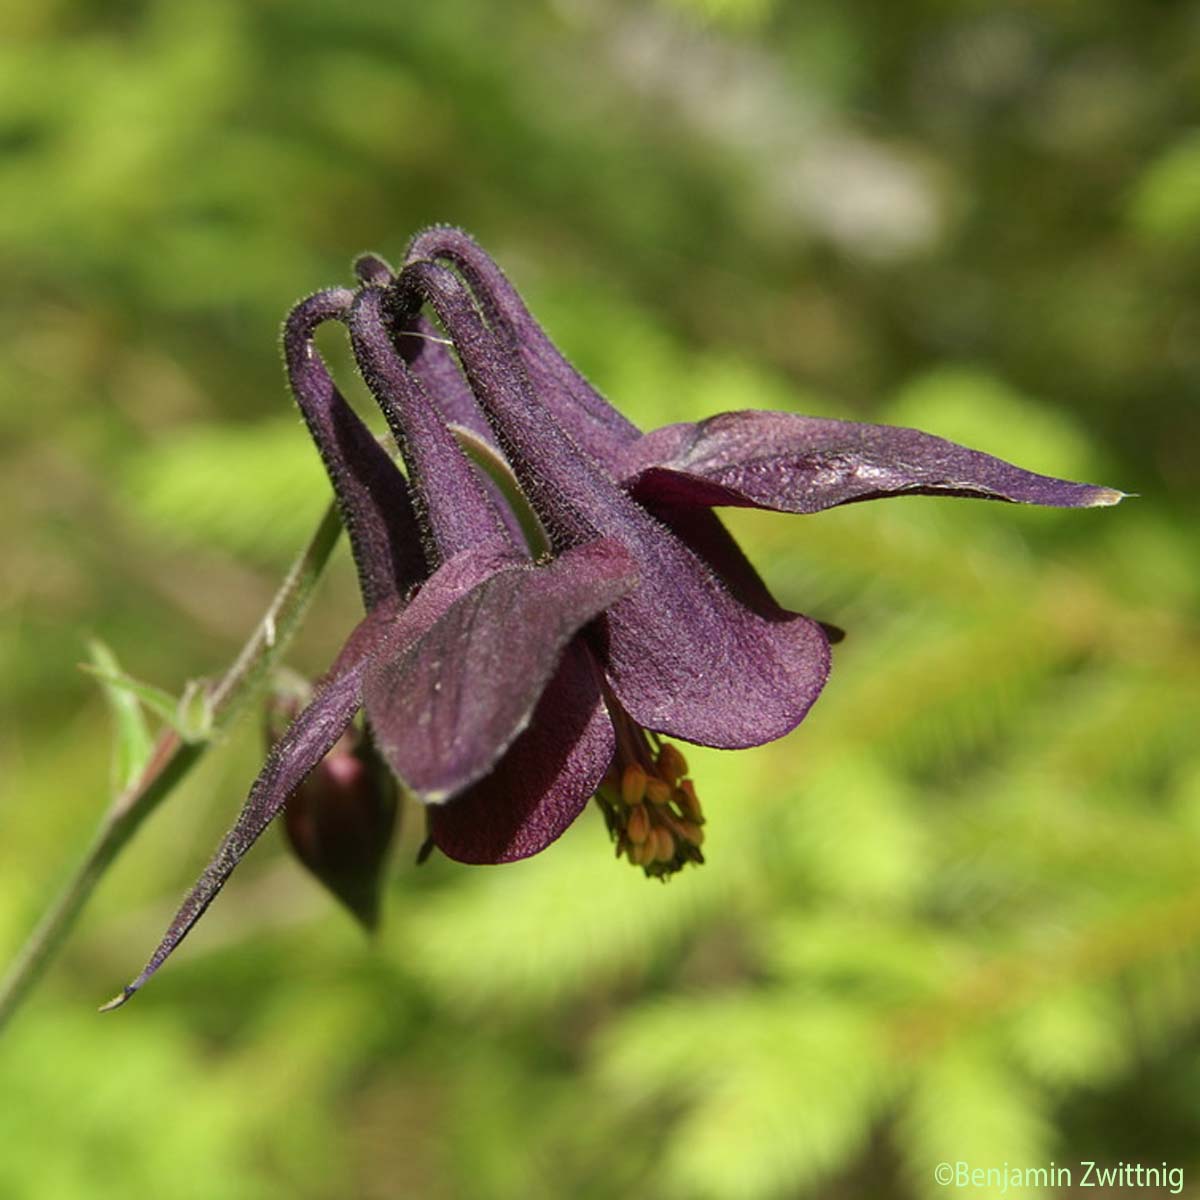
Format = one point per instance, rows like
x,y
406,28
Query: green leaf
x,y
132,741
193,714
188,716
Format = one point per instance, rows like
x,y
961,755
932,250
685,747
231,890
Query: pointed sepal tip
x,y
1106,497
118,1000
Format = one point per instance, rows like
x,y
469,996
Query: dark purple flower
x,y
504,693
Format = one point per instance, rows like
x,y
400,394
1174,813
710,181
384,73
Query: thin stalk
x,y
171,761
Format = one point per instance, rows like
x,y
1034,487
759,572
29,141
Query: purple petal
x,y
583,413
436,369
371,268
434,364
798,464
371,492
457,510
306,741
445,708
683,652
545,779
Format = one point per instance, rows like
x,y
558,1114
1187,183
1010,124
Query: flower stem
x,y
171,760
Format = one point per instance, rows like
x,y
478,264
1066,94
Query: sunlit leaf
x,y
132,740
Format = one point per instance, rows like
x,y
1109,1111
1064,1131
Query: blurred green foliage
x,y
954,916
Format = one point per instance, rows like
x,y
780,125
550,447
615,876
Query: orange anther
x,y
688,801
671,765
664,844
638,825
658,792
642,855
633,785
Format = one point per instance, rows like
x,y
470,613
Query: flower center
x,y
649,805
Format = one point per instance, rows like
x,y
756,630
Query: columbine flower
x,y
504,693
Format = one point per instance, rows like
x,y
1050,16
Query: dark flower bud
x,y
341,819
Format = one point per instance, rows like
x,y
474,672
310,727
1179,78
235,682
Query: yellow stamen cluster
x,y
652,811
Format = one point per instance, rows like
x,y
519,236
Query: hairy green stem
x,y
171,761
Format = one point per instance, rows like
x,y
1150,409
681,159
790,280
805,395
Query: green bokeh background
x,y
955,916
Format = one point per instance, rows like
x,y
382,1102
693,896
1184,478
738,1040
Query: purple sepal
x,y
797,464
305,742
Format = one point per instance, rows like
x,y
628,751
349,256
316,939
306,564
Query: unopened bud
x,y
340,821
